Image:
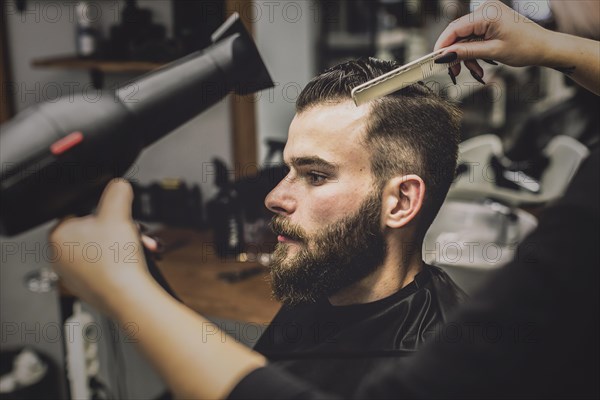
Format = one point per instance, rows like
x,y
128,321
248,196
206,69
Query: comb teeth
x,y
418,70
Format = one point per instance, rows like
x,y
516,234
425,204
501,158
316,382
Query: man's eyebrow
x,y
312,161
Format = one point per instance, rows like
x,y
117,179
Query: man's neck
x,y
394,274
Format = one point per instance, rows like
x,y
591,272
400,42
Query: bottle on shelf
x,y
87,34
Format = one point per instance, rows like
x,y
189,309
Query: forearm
x,y
186,349
578,58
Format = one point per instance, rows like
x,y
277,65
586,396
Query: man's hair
x,y
412,131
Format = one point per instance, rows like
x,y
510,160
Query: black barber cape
x,y
330,346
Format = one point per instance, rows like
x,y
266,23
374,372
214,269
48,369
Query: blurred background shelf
x,y
96,67
106,66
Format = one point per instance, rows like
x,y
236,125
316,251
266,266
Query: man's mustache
x,y
281,226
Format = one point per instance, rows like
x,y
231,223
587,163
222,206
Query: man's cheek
x,y
326,211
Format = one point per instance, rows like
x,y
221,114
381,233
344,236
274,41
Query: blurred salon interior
x,y
201,180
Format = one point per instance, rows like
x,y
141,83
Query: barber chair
x,y
488,210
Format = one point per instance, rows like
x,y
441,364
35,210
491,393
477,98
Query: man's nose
x,y
281,199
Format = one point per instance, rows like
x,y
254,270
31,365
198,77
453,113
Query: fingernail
x,y
490,61
452,76
446,58
477,77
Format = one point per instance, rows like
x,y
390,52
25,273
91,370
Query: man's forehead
x,y
332,132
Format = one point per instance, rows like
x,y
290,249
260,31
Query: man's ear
x,y
402,200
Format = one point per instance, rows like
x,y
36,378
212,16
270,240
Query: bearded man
x,y
363,187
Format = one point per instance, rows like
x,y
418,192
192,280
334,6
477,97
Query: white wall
x,y
285,35
47,29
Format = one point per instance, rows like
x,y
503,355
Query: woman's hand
x,y
100,255
508,37
512,39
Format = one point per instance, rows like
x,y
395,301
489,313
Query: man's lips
x,y
286,239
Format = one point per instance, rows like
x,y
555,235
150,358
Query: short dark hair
x,y
411,131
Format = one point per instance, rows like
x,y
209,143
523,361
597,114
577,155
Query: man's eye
x,y
316,178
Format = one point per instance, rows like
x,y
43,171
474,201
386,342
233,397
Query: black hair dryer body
x,y
57,157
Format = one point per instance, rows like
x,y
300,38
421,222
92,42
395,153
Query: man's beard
x,y
329,260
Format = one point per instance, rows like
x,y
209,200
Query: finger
x,y
452,77
474,66
468,25
456,69
116,201
150,243
61,223
471,50
491,62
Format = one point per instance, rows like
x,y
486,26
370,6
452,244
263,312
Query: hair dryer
x,y
57,157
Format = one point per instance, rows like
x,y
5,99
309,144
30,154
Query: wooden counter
x,y
192,268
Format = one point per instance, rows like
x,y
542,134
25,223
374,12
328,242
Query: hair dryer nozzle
x,y
251,72
188,86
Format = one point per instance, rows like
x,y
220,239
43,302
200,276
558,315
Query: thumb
x,y
61,222
116,201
